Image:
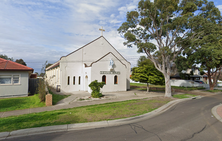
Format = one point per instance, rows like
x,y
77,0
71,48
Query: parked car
x,y
199,81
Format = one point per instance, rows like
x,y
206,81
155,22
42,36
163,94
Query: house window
x,y
9,79
79,79
74,80
104,79
115,79
5,79
68,80
15,79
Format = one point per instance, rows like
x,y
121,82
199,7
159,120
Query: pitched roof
x,y
7,65
53,66
91,43
57,63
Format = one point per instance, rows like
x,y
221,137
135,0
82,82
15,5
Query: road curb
x,y
90,125
214,112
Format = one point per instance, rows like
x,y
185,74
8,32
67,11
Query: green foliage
x,y
184,76
206,49
169,23
20,61
41,90
95,87
147,73
5,57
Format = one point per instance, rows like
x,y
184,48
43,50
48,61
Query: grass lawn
x,y
188,88
181,96
142,87
84,114
214,91
19,103
57,97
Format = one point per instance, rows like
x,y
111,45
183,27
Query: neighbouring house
x,y
97,60
196,75
14,78
176,80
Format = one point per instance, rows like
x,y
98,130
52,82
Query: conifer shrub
x,y
95,87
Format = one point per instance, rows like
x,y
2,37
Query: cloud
x,y
219,7
42,30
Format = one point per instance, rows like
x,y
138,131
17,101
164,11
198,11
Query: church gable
x,y
93,51
113,56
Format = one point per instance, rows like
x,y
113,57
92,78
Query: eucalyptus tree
x,y
206,50
159,28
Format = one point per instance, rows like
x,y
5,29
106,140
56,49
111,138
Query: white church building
x,y
97,60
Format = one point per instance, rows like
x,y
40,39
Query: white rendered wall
x,y
73,65
103,65
95,51
53,77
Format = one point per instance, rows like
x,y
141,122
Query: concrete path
x,y
217,112
71,101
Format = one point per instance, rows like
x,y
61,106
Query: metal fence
x,y
33,85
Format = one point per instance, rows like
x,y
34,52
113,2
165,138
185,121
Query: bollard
x,y
48,100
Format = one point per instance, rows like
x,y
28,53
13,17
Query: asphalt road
x,y
187,121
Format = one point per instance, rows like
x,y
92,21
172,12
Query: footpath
x,y
73,101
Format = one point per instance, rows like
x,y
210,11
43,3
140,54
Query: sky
x,y
44,30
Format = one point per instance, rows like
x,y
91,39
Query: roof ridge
x,y
81,47
116,50
6,64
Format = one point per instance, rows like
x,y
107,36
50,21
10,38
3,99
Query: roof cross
x,y
102,30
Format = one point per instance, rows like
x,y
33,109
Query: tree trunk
x,y
148,89
167,86
210,81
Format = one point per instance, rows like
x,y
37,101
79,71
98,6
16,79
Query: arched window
x,y
104,79
115,79
74,80
68,80
79,79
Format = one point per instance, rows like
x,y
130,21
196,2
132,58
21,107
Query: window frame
x,y
115,80
68,80
105,78
74,80
79,80
12,79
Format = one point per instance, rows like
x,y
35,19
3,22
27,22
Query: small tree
x,y
41,90
20,61
147,73
95,87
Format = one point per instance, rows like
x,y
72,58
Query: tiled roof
x,y
7,65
